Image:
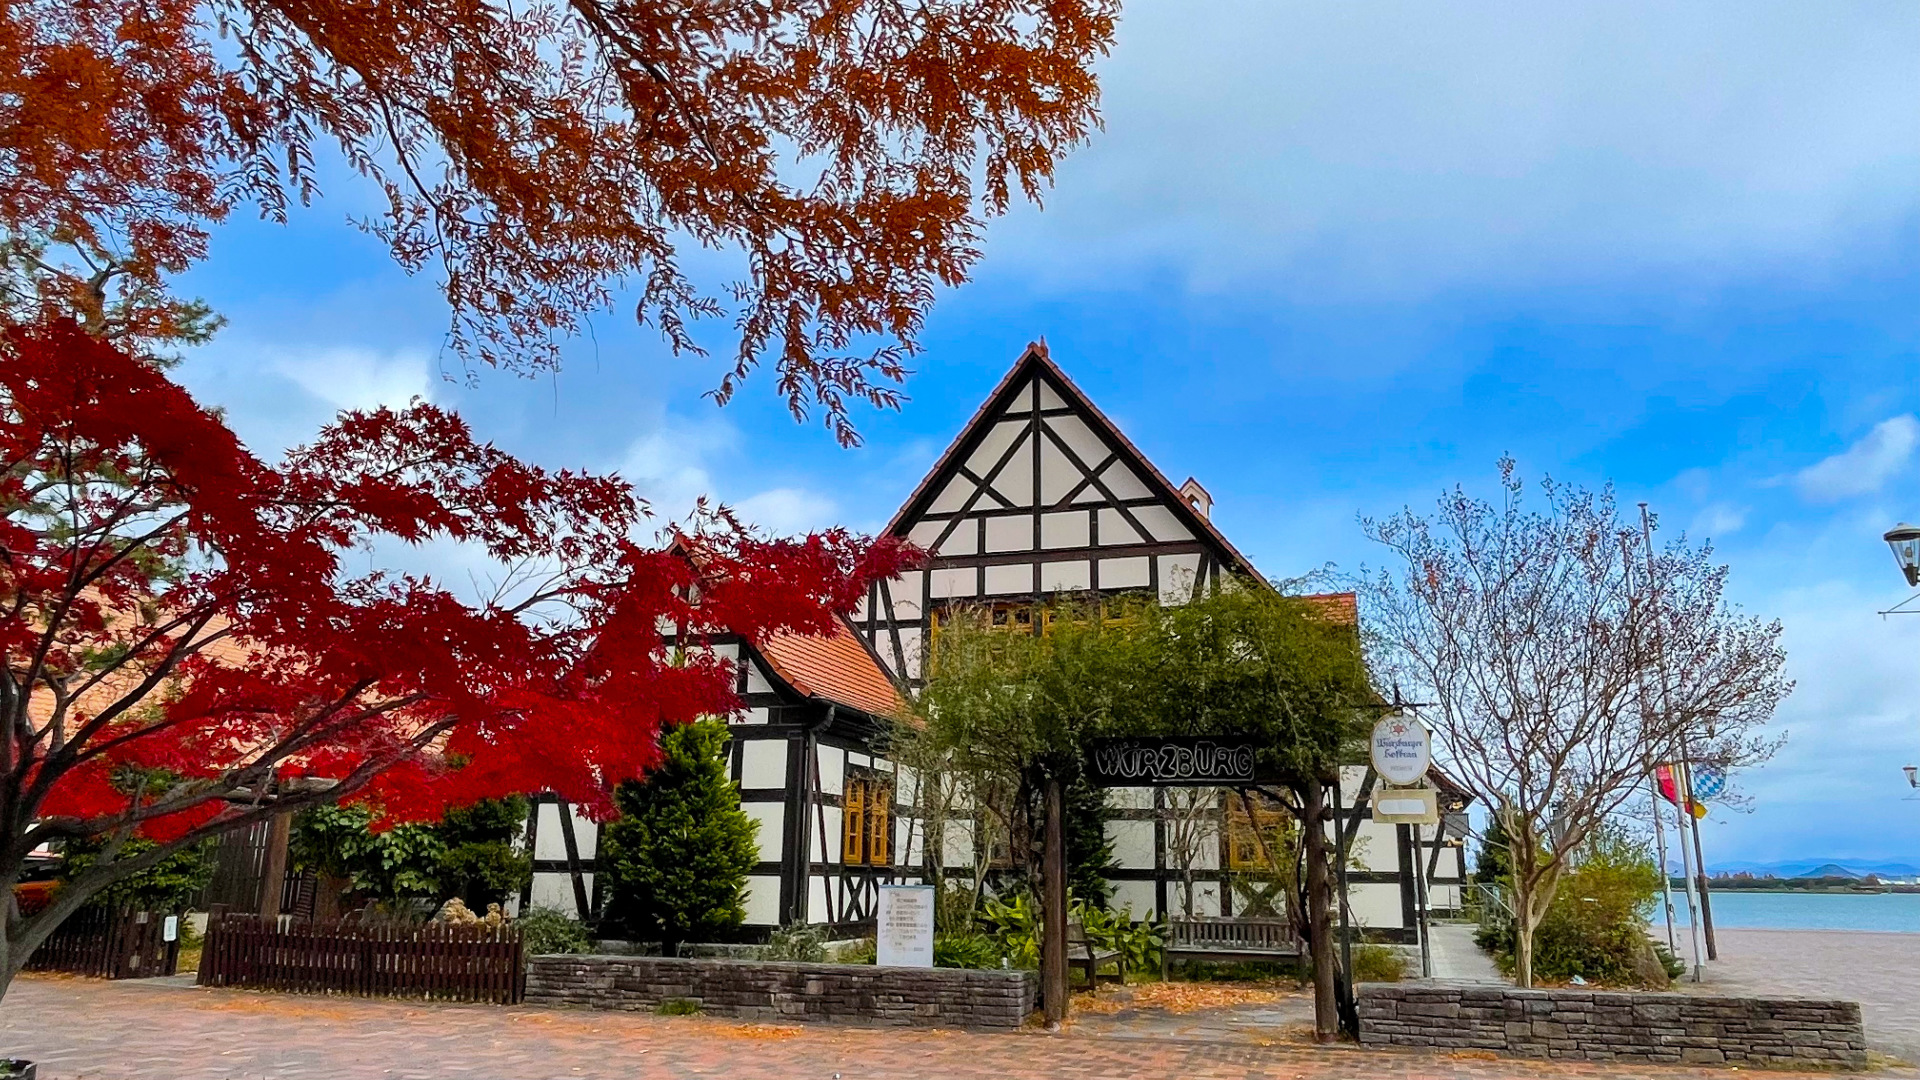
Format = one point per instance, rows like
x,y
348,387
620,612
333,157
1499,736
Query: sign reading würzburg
x,y
1172,761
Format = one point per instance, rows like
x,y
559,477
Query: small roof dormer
x,y
1197,497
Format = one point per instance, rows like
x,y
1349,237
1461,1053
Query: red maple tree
x,y
192,641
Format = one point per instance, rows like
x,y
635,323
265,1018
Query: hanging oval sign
x,y
1401,749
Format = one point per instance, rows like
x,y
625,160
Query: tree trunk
x,y
1326,1008
1053,945
1523,924
273,875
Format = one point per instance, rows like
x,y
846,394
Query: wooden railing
x,y
452,963
109,943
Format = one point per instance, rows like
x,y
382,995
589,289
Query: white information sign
x,y
1406,806
905,937
1401,751
170,929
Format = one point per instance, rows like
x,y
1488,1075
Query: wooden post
x,y
1345,1000
1053,945
1326,1009
273,865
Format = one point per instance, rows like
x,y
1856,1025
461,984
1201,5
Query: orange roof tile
x,y
1341,607
223,651
836,668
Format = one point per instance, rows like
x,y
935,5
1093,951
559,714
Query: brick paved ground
x,y
1879,970
90,1030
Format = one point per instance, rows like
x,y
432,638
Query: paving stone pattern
x,y
86,1029
1879,970
1601,1026
856,993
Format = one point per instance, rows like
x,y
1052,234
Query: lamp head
x,y
1904,539
1913,775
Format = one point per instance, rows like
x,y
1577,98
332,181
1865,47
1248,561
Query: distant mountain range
x,y
1806,868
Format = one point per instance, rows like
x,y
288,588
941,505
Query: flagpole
x,y
1683,800
1686,873
1653,784
1666,877
1699,855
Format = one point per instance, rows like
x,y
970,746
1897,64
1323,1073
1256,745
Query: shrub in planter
x,y
1138,942
864,951
1378,963
802,944
1015,924
676,860
976,951
1596,927
545,930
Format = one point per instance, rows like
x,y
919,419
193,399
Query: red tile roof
x,y
836,668
1341,607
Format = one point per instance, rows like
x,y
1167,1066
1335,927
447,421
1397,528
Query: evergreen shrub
x,y
677,858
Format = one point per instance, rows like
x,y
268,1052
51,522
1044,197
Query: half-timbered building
x,y
805,755
1038,497
1041,496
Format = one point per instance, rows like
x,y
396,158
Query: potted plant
x,y
17,1069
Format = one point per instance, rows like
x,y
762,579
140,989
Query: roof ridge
x,y
1037,357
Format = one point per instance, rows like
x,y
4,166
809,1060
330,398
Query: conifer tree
x,y
677,858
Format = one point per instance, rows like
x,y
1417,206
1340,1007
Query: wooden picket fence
x,y
109,942
437,960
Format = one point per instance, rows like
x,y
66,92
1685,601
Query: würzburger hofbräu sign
x,y
1401,750
1172,760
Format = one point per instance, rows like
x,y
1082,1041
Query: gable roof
x,y
1036,361
837,668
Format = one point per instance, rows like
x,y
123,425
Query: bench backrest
x,y
1253,934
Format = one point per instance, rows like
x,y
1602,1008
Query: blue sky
x,y
1331,258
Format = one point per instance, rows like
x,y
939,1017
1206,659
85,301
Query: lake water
x,y
1808,911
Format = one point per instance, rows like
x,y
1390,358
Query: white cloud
x,y
675,465
668,465
346,377
1335,150
278,396
1718,520
1851,726
788,510
1861,469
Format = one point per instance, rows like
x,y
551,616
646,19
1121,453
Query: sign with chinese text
x,y
904,930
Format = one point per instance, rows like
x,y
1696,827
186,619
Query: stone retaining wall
x,y
858,993
1600,1026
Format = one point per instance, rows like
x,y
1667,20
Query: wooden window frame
x,y
866,818
1243,845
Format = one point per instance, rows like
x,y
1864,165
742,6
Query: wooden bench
x,y
1090,958
1229,939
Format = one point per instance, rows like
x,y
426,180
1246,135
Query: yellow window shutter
x,y
853,822
880,824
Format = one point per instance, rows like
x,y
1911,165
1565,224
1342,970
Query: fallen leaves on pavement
x,y
1179,997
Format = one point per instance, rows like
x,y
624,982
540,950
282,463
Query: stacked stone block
x,y
856,993
1602,1026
